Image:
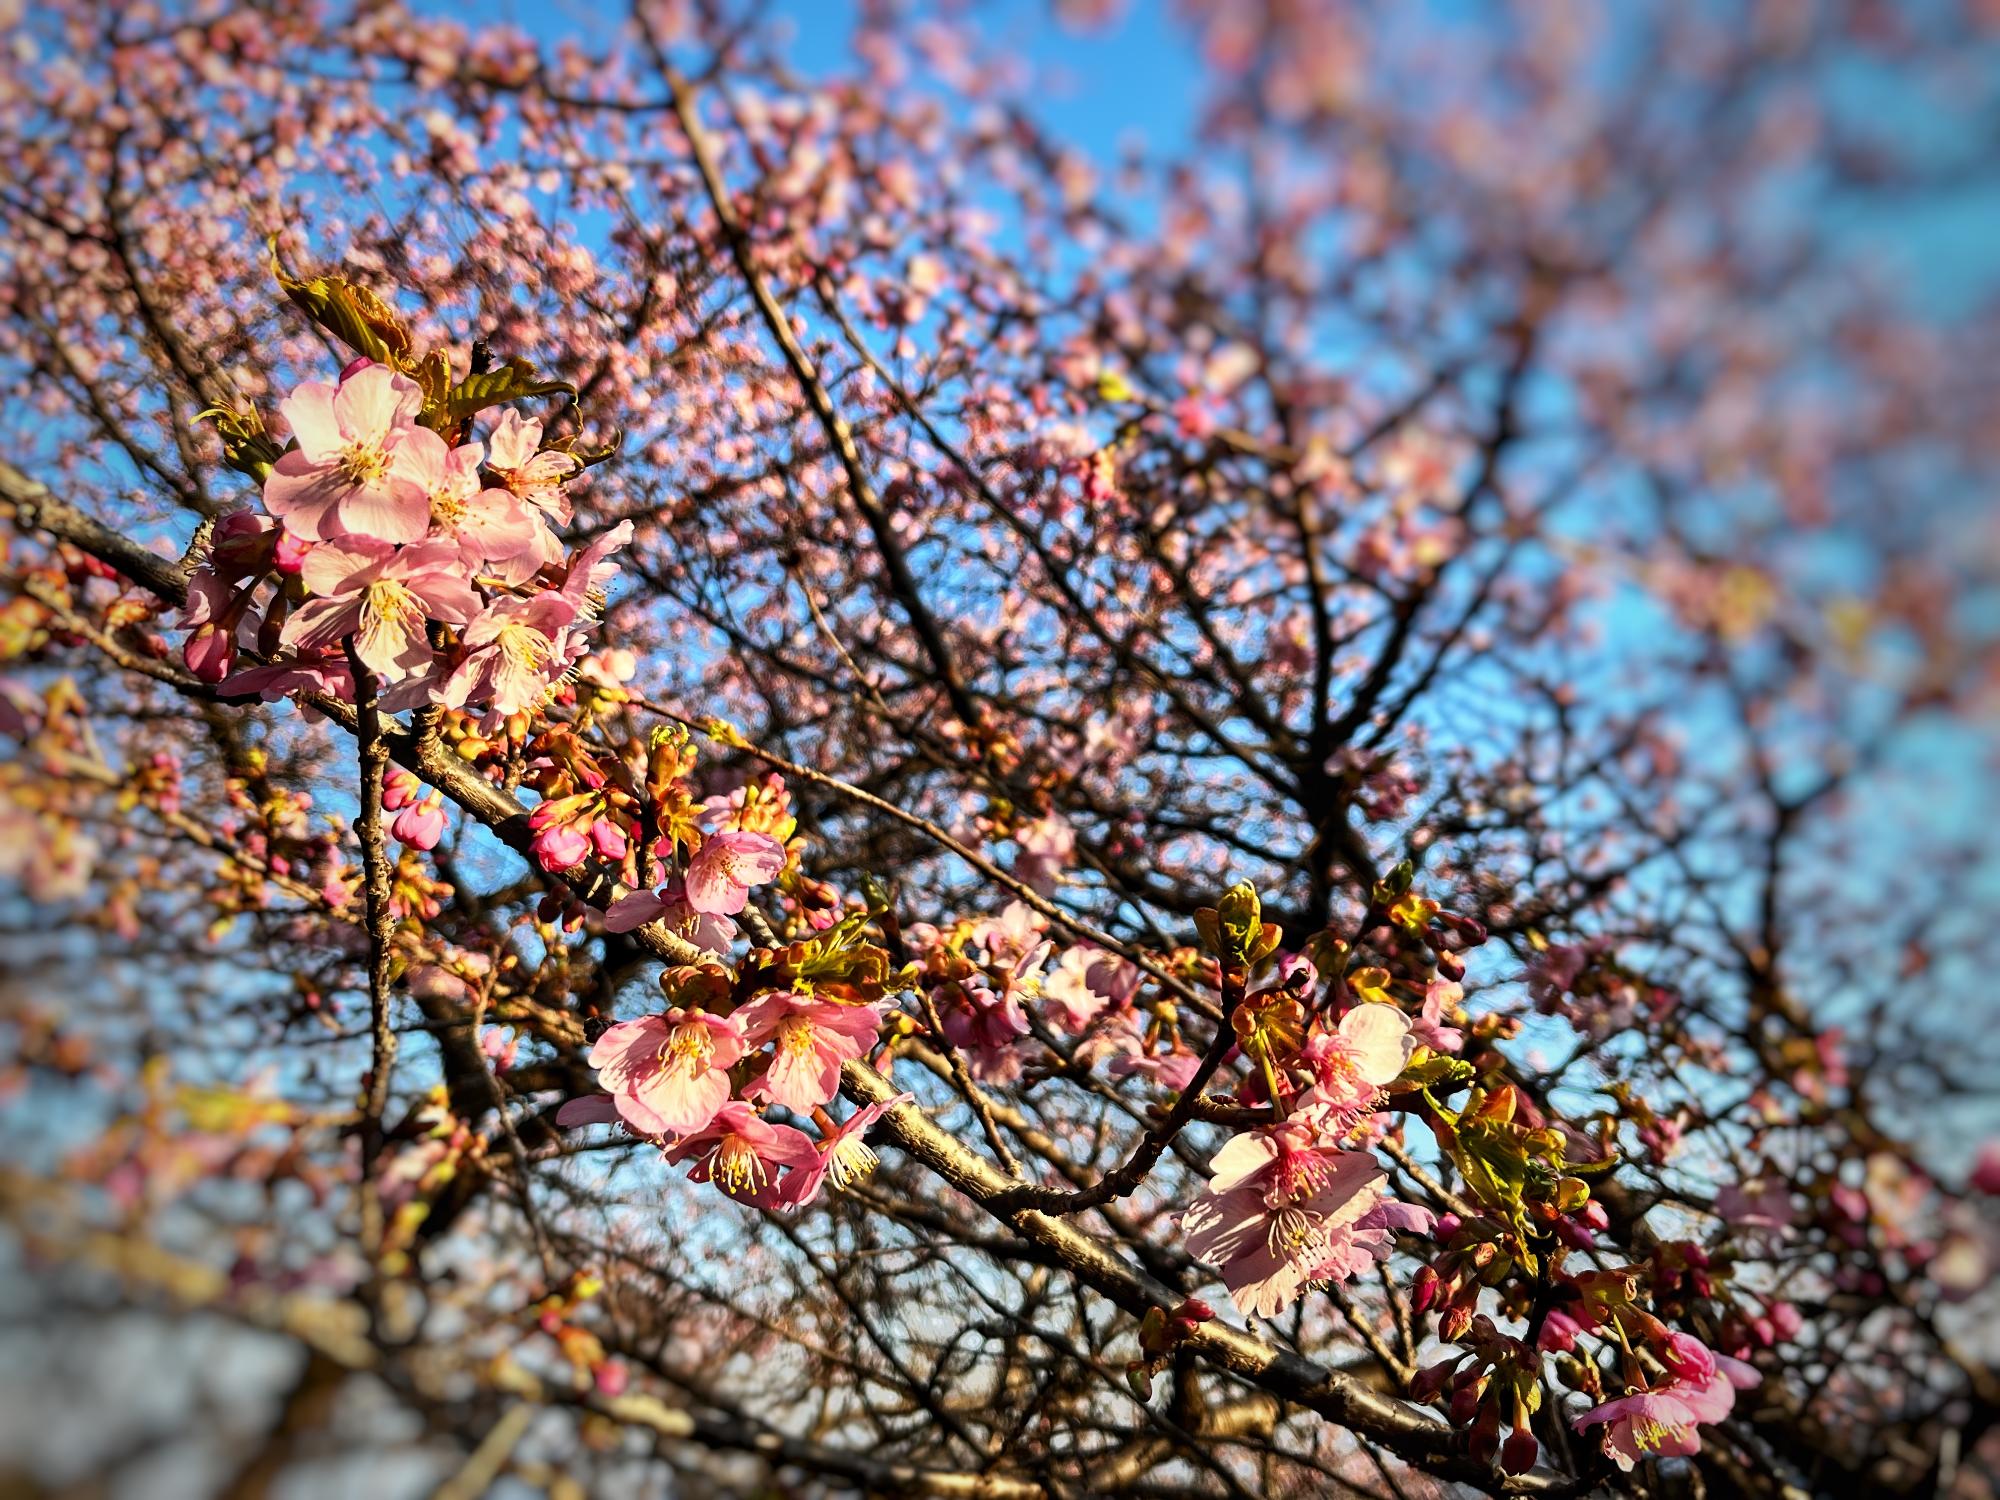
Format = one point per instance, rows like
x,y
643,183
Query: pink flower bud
x,y
289,554
210,652
422,823
560,846
400,788
1785,1320
609,838
1430,1380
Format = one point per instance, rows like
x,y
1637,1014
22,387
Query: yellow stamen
x,y
849,1161
391,617
738,1168
1649,1434
689,1047
363,464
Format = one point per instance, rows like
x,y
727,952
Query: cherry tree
x,y
722,775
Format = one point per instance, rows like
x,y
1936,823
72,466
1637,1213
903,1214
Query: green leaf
x,y
513,381
1493,1162
351,313
246,447
1234,928
1437,1071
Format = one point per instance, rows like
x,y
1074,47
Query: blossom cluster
x,y
699,1083
1295,1203
987,977
438,562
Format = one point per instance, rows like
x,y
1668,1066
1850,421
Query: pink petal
x,y
394,511
1377,1034
373,400
421,457
309,411
321,622
590,1109
302,495
331,568
633,911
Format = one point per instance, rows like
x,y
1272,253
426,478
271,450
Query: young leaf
x,y
512,381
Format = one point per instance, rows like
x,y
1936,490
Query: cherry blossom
x,y
1350,1063
383,597
494,529
1663,1421
669,1073
745,1155
810,1040
842,1157
1275,1201
537,475
728,864
363,466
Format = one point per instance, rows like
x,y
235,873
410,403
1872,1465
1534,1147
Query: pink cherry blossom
x,y
591,570
811,1038
743,1154
841,1158
669,1073
1646,1424
669,905
1047,846
1350,1064
1662,1422
513,453
491,526
1072,1001
1173,1069
727,865
382,596
1014,939
511,655
1274,1201
362,463
1441,999
1368,1240
324,672
1132,1045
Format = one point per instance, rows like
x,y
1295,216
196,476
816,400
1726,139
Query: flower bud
x,y
1518,1453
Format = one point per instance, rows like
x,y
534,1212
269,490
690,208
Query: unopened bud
x,y
1518,1453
